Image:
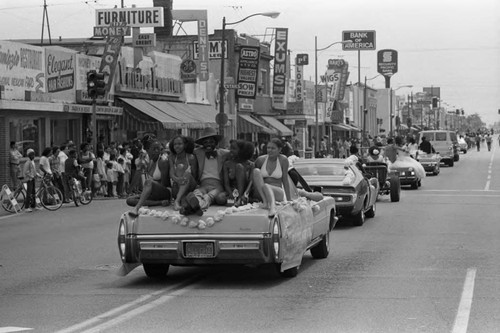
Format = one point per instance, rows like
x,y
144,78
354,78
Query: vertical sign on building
x,y
203,48
280,65
111,54
248,71
300,61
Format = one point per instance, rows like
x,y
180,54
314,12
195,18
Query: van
x,y
444,142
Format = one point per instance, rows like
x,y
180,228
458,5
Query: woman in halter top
x,y
156,189
270,176
183,167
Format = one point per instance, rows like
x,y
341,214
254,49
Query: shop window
x,y
27,133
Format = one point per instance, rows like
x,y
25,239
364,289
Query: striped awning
x,y
175,115
340,127
248,124
279,126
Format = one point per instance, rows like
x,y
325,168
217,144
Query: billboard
x,y
22,68
60,73
133,17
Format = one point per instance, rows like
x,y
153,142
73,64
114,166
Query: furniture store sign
x,y
133,17
60,74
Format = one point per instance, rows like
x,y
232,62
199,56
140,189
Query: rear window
x,y
428,135
321,170
440,136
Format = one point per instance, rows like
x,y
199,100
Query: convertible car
x,y
430,162
355,196
160,237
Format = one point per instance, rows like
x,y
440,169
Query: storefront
x,y
38,125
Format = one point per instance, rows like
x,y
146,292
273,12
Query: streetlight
x,y
222,117
365,107
316,142
391,115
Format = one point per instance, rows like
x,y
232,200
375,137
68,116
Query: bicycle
x,y
47,195
77,194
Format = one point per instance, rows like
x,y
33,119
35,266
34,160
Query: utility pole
x,y
45,15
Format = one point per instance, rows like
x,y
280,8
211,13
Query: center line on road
x,y
463,313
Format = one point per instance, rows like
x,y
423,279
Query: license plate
x,y
199,250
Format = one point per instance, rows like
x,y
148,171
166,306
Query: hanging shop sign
x,y
60,72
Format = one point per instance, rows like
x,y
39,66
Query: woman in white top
x,y
270,176
44,163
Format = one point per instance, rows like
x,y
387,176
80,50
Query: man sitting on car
x,y
426,146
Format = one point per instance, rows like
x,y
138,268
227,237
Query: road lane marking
x,y
463,313
9,329
490,167
110,315
137,311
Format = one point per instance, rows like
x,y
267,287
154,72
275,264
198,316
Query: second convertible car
x,y
355,196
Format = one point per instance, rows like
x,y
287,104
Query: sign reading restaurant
x,y
133,17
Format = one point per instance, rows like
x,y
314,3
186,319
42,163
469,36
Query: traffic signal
x,y
434,102
96,86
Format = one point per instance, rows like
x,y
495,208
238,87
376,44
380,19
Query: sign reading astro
x,y
358,40
387,62
248,71
133,17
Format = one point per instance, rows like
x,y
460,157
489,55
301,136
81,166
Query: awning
x,y
279,126
352,128
340,127
403,126
174,115
247,124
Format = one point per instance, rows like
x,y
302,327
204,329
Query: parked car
x,y
444,142
228,235
353,200
430,162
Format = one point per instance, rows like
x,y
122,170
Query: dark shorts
x,y
159,192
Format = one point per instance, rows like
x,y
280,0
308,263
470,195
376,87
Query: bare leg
x,y
148,186
270,199
258,183
241,183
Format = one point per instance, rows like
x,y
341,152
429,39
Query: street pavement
x,y
428,263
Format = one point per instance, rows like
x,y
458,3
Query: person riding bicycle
x,y
72,170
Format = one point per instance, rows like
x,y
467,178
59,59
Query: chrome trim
x,y
159,246
207,237
239,245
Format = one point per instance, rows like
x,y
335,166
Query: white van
x,y
444,142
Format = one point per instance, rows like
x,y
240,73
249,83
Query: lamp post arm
x,y
249,16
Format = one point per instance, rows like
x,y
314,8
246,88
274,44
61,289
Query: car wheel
x,y
156,271
359,219
371,212
322,250
395,189
414,185
456,157
451,163
419,183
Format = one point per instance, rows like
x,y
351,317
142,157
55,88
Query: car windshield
x,y
321,169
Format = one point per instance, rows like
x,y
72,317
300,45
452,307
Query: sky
x,y
451,44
